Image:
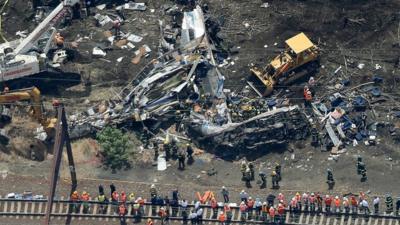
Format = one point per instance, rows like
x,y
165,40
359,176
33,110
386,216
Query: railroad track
x,y
35,209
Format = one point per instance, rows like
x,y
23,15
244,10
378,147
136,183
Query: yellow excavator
x,y
31,94
299,59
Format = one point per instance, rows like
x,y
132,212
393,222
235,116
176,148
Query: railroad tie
x,y
26,205
287,217
321,219
94,212
40,209
369,221
210,216
108,211
12,208
328,220
383,218
362,221
301,218
80,212
308,218
398,222
376,221
342,220
314,220
349,220
33,209
356,221
53,208
390,221
18,208
5,207
61,207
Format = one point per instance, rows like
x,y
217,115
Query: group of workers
x,y
251,209
248,172
171,150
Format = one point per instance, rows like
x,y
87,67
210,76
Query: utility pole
x,y
61,138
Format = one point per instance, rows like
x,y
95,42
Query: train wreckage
x,y
185,84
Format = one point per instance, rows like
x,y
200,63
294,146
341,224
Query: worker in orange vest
x,y
75,201
214,207
228,212
264,211
85,199
281,213
272,214
115,200
222,218
336,203
123,197
328,203
250,208
354,204
243,211
163,215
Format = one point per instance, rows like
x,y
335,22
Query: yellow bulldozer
x,y
299,58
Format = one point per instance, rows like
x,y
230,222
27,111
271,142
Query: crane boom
x,y
58,13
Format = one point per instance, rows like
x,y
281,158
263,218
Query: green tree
x,y
115,148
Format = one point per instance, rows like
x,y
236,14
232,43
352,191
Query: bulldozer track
x,y
35,209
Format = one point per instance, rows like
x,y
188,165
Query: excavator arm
x,y
28,94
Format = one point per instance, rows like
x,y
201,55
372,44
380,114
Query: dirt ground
x,y
348,33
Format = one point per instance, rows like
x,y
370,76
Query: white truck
x,y
27,56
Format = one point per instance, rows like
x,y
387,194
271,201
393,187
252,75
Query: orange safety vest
x,y
74,197
264,208
221,218
243,207
271,212
337,202
85,197
353,201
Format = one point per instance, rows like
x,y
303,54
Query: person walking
x,y
389,204
225,194
376,205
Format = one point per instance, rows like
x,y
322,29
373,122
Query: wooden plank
x,y
33,209
12,209
108,211
328,220
301,218
314,220
18,208
383,219
40,209
94,212
80,212
287,217
308,218
321,219
390,221
26,205
342,220
376,221
349,220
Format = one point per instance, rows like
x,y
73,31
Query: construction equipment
x,y
35,109
28,56
299,59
